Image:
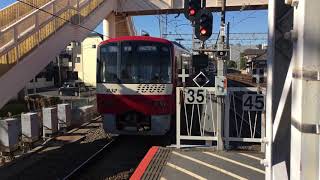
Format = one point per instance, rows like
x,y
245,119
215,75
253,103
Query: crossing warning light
x,y
192,8
192,12
203,26
203,31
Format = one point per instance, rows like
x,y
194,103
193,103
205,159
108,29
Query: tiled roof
x,y
254,51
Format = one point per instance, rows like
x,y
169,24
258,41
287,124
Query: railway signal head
x,y
204,23
192,8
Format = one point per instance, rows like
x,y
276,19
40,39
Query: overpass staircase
x,y
34,32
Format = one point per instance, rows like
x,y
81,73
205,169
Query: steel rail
x,y
82,165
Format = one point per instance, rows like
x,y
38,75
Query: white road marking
x,y
251,156
235,162
210,166
185,171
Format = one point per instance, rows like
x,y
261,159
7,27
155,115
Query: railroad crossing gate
x,y
197,115
244,116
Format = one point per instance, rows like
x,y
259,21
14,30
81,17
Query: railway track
x,y
118,158
244,79
91,159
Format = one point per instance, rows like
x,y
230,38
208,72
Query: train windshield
x,y
135,62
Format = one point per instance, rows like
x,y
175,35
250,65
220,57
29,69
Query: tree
x,y
231,64
243,62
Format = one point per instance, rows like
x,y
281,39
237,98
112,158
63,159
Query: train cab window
x,y
135,62
127,48
165,49
107,67
145,62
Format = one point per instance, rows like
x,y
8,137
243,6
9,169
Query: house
x,y
236,50
76,62
86,60
254,57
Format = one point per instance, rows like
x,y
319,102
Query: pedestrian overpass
x,y
31,37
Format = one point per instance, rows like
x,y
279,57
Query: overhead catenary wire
x,y
246,18
158,16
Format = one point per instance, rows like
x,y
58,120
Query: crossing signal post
x,y
204,25
222,53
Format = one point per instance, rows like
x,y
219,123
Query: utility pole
x,y
166,27
193,41
305,118
59,69
34,85
160,26
221,73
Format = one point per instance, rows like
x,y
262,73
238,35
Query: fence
x,y
243,115
18,10
196,120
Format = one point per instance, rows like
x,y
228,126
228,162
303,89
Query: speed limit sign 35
x,y
195,96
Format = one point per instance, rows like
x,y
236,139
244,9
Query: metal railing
x,y
21,37
18,10
196,121
242,124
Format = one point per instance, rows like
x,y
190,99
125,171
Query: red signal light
x,y
192,12
203,31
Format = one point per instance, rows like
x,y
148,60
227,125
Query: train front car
x,y
135,85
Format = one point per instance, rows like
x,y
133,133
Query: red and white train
x,y
136,80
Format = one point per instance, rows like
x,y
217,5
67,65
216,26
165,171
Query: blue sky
x,y
4,3
245,22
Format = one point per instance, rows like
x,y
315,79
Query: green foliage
x,y
14,107
242,62
231,64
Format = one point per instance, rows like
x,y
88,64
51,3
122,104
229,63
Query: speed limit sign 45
x,y
195,96
253,102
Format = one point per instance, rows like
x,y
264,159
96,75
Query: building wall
x,y
236,50
87,62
